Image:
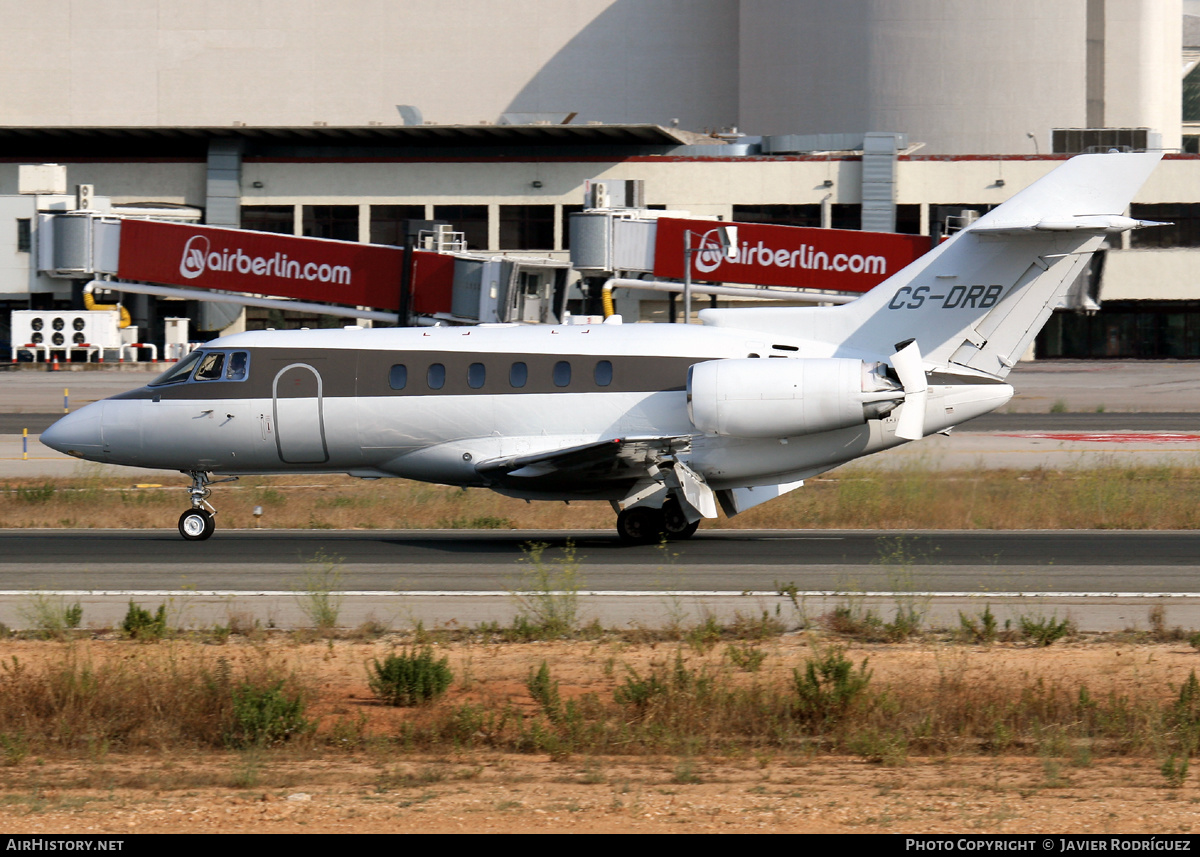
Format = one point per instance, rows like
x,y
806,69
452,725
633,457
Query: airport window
x,y
339,222
845,217
908,219
780,215
398,377
239,362
953,216
388,222
24,235
470,220
527,227
1184,230
476,375
280,219
210,366
562,373
1124,330
603,373
518,375
436,377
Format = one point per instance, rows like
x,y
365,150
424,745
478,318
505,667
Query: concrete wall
x,y
350,62
968,76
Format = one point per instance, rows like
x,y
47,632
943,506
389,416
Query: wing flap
x,y
603,462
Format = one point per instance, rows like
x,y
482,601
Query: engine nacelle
x,y
787,397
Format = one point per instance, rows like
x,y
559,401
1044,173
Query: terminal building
x,y
346,120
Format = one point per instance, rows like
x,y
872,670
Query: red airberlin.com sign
x,y
843,260
308,269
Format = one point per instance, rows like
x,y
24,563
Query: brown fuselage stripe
x,y
365,373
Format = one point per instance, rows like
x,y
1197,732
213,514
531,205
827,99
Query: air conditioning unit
x,y
66,329
597,195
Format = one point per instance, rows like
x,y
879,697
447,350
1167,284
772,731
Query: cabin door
x,y
298,403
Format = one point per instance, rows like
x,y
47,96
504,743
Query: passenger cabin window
x,y
398,377
518,375
604,373
476,375
210,366
562,373
436,377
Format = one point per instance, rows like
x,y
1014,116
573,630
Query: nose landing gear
x,y
198,523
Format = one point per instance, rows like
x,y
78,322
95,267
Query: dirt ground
x,y
380,788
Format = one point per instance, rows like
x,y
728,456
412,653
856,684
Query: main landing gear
x,y
643,525
198,523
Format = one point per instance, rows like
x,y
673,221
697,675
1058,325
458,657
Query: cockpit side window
x,y
179,372
239,363
210,366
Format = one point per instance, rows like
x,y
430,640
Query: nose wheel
x,y
198,522
196,525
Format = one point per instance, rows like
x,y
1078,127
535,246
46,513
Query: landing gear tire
x,y
196,525
675,524
640,525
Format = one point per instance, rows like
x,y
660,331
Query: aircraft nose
x,y
78,434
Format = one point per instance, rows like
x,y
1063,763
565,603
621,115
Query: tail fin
x,y
978,300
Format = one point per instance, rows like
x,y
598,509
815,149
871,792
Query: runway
x,y
1126,412
1106,580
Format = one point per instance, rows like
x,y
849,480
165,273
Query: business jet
x,y
666,422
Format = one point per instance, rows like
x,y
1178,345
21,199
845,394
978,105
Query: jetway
x,y
373,283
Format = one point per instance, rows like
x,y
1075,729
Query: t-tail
x,y
975,303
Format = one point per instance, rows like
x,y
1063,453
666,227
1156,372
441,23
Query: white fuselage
x,y
324,401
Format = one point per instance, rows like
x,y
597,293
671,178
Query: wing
x,y
590,468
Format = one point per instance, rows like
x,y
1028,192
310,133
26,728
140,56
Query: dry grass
x,y
808,695
1105,498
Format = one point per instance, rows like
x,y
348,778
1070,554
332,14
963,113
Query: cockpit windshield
x,y
180,371
203,365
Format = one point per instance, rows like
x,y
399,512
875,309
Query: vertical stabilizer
x,y
978,300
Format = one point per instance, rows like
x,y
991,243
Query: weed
x,y
792,593
881,747
242,623
1059,406
370,629
705,635
828,685
746,657
13,748
479,522
320,596
1159,632
1174,771
140,624
544,691
266,714
548,596
980,629
685,773
410,678
51,617
36,494
1043,630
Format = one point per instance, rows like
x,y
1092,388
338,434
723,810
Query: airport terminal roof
x,y
42,142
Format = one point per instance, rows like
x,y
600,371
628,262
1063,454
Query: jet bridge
x,y
439,283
